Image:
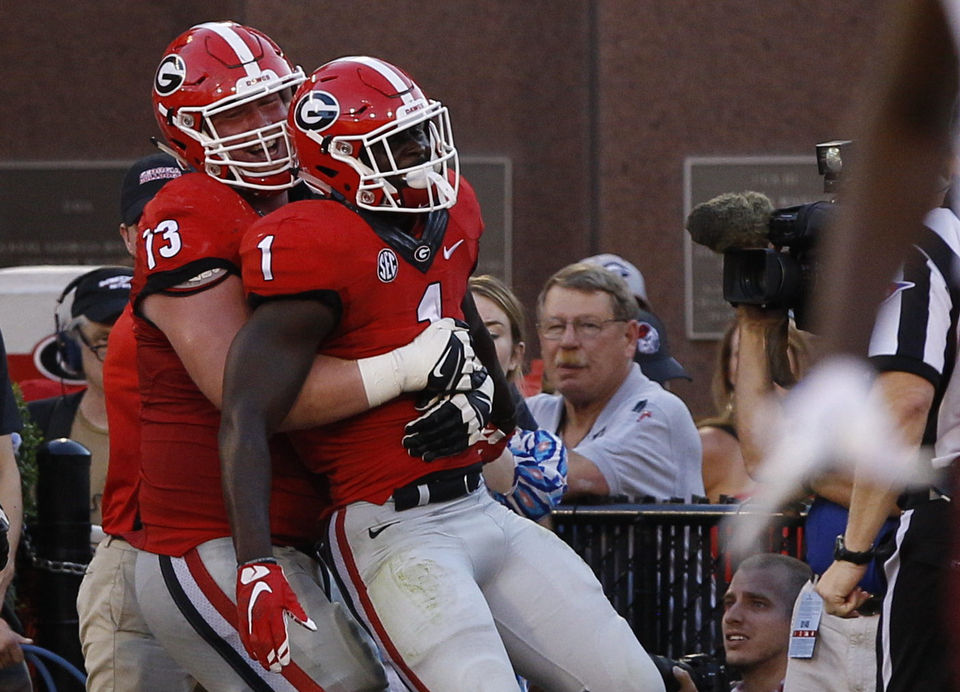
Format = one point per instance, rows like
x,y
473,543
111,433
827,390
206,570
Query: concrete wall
x,y
596,103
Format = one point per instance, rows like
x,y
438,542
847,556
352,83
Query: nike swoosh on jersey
x,y
447,251
252,573
258,589
374,532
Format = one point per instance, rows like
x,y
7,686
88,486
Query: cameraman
x,y
756,621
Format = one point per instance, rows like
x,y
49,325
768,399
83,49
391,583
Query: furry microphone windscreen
x,y
731,221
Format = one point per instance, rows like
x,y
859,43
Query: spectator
x,y
13,671
756,621
99,296
624,433
531,475
653,350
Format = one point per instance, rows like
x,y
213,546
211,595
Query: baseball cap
x,y
630,274
142,181
101,295
653,352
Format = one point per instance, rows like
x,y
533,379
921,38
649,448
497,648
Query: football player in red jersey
x,y
455,588
220,95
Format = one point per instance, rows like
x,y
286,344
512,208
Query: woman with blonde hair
x,y
530,477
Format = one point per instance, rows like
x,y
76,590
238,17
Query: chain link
x,y
55,566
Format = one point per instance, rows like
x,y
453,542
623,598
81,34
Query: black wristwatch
x,y
840,552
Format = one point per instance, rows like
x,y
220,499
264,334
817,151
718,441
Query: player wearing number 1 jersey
x,y
455,588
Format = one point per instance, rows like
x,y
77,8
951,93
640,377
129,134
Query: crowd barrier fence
x,y
665,567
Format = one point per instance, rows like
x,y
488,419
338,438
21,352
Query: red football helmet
x,y
208,70
349,120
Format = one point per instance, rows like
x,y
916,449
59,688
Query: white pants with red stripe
x,y
189,604
459,595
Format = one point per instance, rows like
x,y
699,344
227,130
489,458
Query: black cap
x,y
653,352
142,181
101,295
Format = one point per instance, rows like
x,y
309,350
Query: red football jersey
x,y
192,226
390,286
122,392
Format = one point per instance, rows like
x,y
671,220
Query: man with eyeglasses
x,y
98,299
625,434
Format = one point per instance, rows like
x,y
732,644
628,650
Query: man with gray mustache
x,y
625,434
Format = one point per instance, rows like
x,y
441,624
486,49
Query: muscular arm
x,y
332,391
909,398
265,369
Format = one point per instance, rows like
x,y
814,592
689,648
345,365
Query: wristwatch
x,y
840,552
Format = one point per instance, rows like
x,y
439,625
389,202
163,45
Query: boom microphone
x,y
731,221
735,221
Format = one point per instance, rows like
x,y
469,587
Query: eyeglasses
x,y
585,328
98,350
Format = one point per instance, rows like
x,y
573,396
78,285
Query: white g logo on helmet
x,y
316,111
170,75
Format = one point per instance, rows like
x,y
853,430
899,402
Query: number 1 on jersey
x,y
430,307
266,258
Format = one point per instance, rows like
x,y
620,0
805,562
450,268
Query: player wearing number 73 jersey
x,y
455,588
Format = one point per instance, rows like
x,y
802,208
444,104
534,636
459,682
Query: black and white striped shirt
x,y
916,330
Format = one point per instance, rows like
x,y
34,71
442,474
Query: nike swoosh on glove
x,y
264,599
454,369
451,423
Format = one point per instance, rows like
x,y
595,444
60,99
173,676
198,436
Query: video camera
x,y
784,276
709,673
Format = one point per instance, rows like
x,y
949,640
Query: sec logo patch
x,y
387,265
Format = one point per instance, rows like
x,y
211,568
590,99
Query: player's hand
x,y
440,360
264,599
451,422
839,590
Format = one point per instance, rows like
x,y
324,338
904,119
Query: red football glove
x,y
263,599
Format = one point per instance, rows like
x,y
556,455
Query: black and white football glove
x,y
451,423
440,359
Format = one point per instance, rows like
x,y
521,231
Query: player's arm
x,y
265,369
909,398
266,365
334,389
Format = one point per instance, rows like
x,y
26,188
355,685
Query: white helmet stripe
x,y
236,43
387,71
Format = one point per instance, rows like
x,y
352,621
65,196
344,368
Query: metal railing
x,y
665,567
